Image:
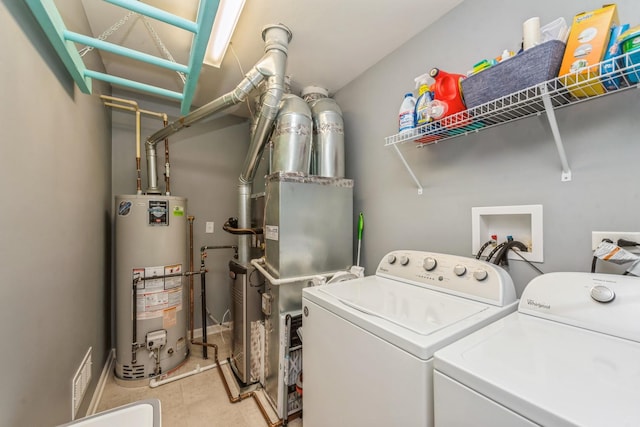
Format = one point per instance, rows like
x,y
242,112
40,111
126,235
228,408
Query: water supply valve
x,y
156,339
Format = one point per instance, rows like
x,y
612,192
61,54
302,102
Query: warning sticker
x,y
271,232
151,284
172,282
157,294
169,318
155,304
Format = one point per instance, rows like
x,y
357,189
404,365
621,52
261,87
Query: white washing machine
x,y
570,356
368,342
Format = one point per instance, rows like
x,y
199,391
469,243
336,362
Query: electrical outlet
x,y
599,236
209,227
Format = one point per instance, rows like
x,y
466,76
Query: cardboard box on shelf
x,y
609,75
586,46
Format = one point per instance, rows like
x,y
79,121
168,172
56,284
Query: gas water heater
x,y
151,259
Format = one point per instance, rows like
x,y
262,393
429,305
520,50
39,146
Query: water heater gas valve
x,y
156,339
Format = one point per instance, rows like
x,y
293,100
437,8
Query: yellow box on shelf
x,y
586,46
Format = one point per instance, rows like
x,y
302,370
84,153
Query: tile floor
x,y
195,401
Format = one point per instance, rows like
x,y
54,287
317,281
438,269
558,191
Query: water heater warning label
x,y
158,289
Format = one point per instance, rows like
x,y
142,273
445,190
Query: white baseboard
x,y
97,393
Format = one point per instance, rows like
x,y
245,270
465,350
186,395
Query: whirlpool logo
x,y
536,304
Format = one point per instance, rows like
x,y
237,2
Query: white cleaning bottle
x,y
406,115
425,98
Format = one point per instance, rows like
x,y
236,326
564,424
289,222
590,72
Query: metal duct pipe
x,y
274,64
292,136
236,96
271,66
244,221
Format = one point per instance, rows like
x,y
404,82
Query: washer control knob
x,y
391,259
429,263
602,294
459,270
480,274
404,260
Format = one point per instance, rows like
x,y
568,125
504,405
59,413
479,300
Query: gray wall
x,y
514,164
206,160
55,167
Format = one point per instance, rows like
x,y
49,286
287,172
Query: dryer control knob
x,y
404,260
480,275
602,294
429,263
459,270
391,259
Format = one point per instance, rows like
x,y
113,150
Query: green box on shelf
x,y
529,68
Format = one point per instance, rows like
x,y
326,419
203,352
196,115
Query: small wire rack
x,y
582,85
578,86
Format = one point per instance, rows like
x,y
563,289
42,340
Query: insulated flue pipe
x,y
274,63
272,67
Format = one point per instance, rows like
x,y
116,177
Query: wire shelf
x,y
582,85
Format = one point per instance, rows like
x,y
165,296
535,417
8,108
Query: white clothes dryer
x,y
570,356
369,342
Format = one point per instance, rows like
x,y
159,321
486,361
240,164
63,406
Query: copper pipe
x,y
264,413
242,396
138,170
139,176
129,105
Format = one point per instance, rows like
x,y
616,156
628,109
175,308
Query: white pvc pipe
x,y
155,383
284,281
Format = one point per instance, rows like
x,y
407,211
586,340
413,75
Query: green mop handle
x,y
360,228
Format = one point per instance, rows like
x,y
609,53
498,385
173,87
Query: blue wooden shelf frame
x,y
64,41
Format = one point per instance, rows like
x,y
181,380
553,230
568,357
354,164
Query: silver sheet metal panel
x,y
308,224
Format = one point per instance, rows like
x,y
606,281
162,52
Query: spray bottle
x,y
425,98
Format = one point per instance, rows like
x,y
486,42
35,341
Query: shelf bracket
x,y
551,116
406,165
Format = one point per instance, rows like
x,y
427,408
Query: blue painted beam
x,y
124,51
51,22
64,41
207,11
159,14
134,85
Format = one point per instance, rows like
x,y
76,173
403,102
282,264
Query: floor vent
x,y
81,381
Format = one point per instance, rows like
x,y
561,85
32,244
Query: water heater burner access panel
x,y
158,212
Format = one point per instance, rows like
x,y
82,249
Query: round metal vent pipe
x,y
272,67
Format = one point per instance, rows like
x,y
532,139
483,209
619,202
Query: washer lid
x,y
411,307
413,318
548,372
